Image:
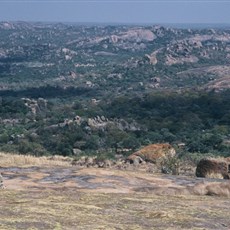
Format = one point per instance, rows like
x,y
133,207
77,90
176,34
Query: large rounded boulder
x,y
213,168
154,153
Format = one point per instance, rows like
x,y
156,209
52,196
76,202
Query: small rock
x,y
1,182
89,161
137,160
77,152
165,170
101,164
107,164
80,162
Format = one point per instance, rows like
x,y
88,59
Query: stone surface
x,y
213,168
154,153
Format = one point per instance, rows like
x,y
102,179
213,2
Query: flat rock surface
x,y
94,179
93,198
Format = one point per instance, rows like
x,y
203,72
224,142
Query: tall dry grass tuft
x,y
212,189
12,160
199,189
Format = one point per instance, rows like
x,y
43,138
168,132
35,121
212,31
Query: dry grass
x,y
10,160
214,175
212,189
93,198
72,209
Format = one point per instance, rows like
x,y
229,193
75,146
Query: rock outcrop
x,y
154,153
213,168
36,106
95,162
135,35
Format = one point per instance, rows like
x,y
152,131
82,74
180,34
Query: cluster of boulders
x,y
35,106
88,161
152,158
120,163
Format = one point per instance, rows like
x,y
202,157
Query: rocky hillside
x,y
135,57
73,89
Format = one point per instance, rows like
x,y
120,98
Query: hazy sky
x,y
126,11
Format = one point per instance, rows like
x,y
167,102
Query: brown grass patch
x,y
10,160
212,189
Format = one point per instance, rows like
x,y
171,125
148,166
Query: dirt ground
x,y
58,197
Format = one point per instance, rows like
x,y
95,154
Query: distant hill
x,y
67,86
68,54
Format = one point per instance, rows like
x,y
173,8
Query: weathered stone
x,y
1,182
80,162
165,170
107,164
213,168
154,153
137,160
77,152
100,164
89,161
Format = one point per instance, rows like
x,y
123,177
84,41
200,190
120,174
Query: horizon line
x,y
120,23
